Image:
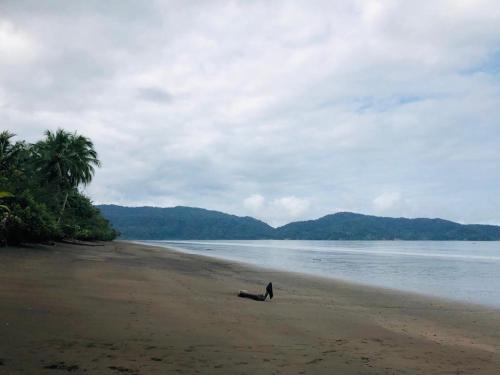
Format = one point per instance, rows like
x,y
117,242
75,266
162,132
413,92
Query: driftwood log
x,y
258,297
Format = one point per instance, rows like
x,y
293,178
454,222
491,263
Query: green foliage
x,y
83,221
66,160
351,226
8,151
30,221
183,223
39,197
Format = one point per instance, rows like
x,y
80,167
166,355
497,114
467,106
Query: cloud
x,y
315,105
294,207
254,202
387,201
154,94
16,46
277,211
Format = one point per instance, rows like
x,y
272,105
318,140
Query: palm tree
x,y
66,159
8,151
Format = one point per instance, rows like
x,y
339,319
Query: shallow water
x,y
463,271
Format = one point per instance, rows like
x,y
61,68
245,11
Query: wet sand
x,y
131,309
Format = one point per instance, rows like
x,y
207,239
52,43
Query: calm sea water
x,y
464,271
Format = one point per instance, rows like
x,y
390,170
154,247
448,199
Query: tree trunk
x,y
63,207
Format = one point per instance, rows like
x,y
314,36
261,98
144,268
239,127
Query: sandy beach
x,y
130,309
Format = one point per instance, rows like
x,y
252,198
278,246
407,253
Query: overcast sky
x,y
279,110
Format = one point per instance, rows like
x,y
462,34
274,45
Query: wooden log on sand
x,y
258,297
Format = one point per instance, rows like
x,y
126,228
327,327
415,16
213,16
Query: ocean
x,y
462,271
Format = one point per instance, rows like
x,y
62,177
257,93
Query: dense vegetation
x,y
182,223
195,223
39,196
351,226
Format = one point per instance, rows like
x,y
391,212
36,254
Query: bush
x,y
83,221
29,221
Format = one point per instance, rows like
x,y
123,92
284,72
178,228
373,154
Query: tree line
x,y
40,198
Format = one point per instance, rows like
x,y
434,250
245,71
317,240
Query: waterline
x,y
464,271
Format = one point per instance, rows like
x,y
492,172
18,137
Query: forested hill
x,y
196,223
153,223
351,226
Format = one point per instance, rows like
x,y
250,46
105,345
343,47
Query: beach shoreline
x,y
130,308
321,277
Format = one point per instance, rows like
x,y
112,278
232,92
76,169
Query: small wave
x,y
326,250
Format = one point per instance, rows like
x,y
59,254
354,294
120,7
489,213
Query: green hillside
x,y
183,223
155,223
351,226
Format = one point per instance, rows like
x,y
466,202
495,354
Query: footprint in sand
x,y
329,351
123,369
62,366
316,360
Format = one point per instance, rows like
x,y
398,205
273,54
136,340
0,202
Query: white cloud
x,y
387,201
254,203
277,211
292,206
16,46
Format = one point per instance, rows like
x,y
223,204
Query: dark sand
x,y
130,309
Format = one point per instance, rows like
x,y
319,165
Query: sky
x,y
281,110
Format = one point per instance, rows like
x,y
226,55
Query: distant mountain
x,y
351,226
186,223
